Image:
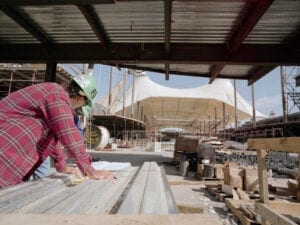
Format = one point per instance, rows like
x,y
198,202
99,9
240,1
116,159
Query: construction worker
x,y
32,122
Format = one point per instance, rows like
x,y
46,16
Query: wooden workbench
x,y
261,145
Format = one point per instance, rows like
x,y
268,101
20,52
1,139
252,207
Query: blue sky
x,y
267,89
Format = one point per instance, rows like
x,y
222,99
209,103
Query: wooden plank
x,y
172,208
271,215
16,189
154,199
262,176
134,198
227,189
234,206
286,208
52,195
106,203
242,195
45,205
23,197
178,219
287,144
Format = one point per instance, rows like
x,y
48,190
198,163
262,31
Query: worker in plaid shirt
x,y
34,120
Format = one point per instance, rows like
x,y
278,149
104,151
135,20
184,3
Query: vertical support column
x,y
138,110
216,117
263,179
253,106
110,88
50,75
262,176
10,81
200,131
132,95
224,119
235,105
209,131
124,91
283,81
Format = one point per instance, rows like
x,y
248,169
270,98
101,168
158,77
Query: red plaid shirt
x,y
32,121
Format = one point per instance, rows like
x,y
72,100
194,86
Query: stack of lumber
x,y
63,194
149,194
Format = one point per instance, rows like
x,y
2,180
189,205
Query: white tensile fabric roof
x,y
163,106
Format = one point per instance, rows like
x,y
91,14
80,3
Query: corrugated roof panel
x,y
153,66
204,21
184,68
191,68
133,21
236,70
64,24
277,24
11,32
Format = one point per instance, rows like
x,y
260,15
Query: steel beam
x,y
153,53
95,23
253,16
249,17
259,73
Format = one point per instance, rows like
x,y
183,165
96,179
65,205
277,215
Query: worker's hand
x,y
73,170
102,174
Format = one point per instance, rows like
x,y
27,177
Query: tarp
x,y
163,106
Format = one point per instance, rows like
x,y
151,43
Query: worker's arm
x,y
61,122
62,125
59,159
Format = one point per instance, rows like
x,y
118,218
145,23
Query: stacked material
x,y
185,144
149,194
58,194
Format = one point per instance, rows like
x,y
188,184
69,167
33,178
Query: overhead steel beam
x,y
50,75
249,17
253,16
53,2
24,20
194,74
152,53
215,72
94,21
259,73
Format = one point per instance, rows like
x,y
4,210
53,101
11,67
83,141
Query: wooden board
x,y
234,206
54,194
273,216
180,219
287,144
286,208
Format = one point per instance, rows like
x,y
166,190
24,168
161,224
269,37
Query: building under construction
x,y
207,174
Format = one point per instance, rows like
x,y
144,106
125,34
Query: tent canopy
x,y
162,107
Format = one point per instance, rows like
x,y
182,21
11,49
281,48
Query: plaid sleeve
x,y
59,157
60,118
